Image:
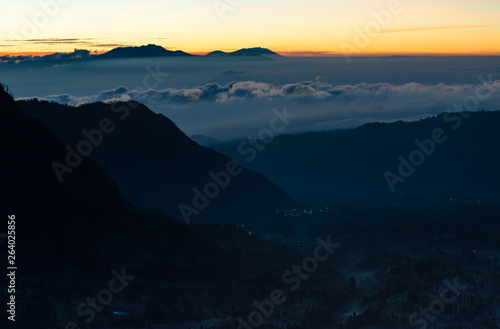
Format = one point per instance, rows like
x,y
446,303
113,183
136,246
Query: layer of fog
x,y
234,97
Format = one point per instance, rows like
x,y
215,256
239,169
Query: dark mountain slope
x,y
349,166
28,150
155,164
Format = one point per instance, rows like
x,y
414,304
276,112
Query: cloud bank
x,y
240,107
307,91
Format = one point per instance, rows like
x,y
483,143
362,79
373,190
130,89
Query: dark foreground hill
x,y
157,166
72,234
31,190
453,155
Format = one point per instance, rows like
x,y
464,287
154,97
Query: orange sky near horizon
x,y
305,54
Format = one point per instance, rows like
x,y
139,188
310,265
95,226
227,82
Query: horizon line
x,y
299,53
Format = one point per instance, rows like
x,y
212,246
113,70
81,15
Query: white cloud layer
x,y
307,91
240,108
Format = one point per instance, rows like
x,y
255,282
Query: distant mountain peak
x,y
217,53
255,51
150,50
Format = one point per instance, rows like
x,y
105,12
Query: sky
x,y
290,27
